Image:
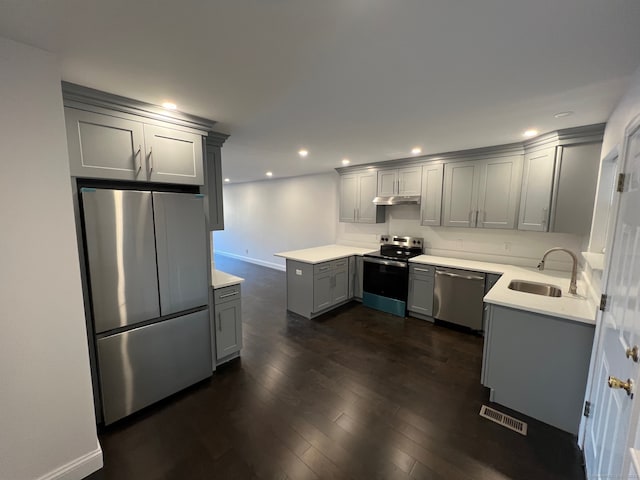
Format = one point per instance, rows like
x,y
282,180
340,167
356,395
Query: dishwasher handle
x,y
457,275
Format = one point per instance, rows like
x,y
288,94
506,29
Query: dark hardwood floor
x,y
355,394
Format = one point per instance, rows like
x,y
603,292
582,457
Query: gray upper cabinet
x,y
213,190
431,201
537,181
402,181
460,197
102,146
357,191
499,192
110,147
574,188
482,193
173,156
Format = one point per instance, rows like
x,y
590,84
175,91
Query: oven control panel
x,y
415,242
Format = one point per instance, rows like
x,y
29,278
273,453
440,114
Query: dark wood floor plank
x,y
355,394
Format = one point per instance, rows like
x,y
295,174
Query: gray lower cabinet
x,y
537,364
421,282
314,289
227,322
115,148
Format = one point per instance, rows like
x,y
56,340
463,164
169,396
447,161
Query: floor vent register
x,y
504,420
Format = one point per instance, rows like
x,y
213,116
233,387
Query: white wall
x,y
47,423
262,218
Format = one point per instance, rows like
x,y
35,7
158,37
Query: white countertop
x,y
221,279
324,253
572,307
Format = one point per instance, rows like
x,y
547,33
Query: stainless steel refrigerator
x,y
147,265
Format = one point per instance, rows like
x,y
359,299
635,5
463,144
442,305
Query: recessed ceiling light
x,y
416,150
562,114
530,133
269,174
169,105
227,180
303,153
346,161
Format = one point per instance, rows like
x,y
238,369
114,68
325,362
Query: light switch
x,y
298,271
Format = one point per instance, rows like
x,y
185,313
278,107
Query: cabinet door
x,y
228,328
102,146
499,192
340,291
535,200
421,294
173,156
348,198
460,194
387,183
578,167
322,285
431,202
214,204
367,188
409,181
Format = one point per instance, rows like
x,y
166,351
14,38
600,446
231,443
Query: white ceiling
x,y
363,79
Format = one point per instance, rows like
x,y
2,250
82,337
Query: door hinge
x,y
587,409
603,301
621,182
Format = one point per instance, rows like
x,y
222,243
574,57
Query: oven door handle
x,y
390,263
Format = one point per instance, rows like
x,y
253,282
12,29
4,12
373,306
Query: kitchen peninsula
x,y
526,336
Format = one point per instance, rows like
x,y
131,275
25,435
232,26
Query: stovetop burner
x,y
394,247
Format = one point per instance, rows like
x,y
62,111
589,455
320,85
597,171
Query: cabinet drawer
x,y
226,294
424,270
322,267
342,264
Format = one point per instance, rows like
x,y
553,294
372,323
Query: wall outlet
x,y
507,246
298,271
247,251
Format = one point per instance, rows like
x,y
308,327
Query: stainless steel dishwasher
x,y
457,297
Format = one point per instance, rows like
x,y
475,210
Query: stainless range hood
x,y
398,200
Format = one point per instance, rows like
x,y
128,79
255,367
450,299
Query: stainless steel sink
x,y
536,288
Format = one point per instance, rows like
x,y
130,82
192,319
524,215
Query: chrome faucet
x,y
573,286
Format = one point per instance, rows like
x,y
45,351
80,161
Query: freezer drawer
x,y
457,297
122,257
146,364
181,242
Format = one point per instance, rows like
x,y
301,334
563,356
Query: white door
x,y
610,430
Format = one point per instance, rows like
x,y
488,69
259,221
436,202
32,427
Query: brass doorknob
x,y
633,353
617,383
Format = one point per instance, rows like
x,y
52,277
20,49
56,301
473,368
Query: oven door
x,y
385,285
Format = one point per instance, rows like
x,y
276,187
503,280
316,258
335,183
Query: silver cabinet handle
x,y
228,295
138,155
455,275
150,160
219,322
416,269
544,216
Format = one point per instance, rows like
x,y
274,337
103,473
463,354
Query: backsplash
x,y
514,247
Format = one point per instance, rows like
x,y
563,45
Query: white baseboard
x,y
77,469
256,261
